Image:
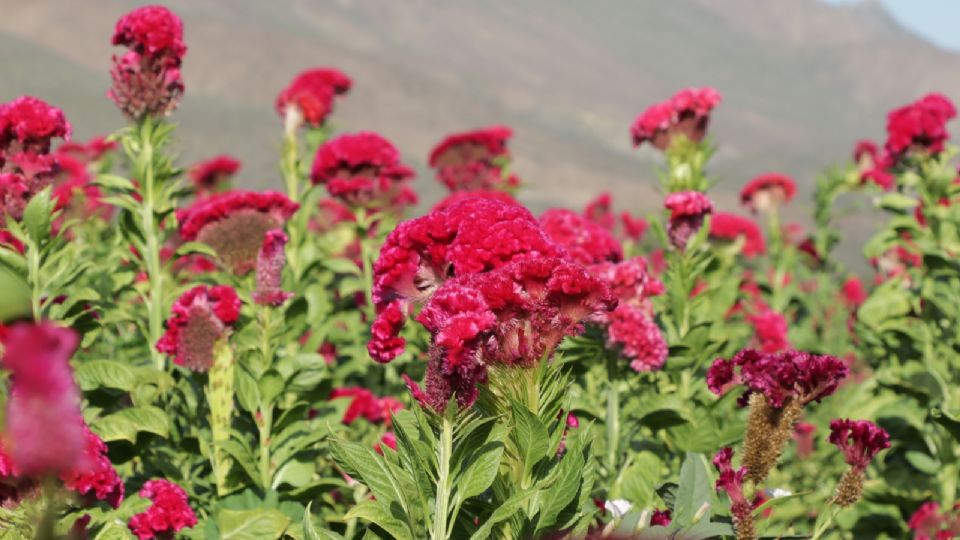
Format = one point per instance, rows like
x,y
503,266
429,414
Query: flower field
x,y
183,359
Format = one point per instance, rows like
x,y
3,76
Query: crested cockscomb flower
x,y
873,164
860,441
361,169
234,224
730,481
169,511
687,113
770,329
638,336
309,97
152,31
930,523
514,315
854,293
364,404
270,263
14,196
731,227
97,479
460,196
198,321
473,236
634,227
585,241
629,281
768,191
28,124
473,159
920,126
865,152
687,210
44,429
208,176
475,176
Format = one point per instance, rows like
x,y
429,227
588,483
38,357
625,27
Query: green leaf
x,y
531,437
694,490
312,533
503,512
896,202
125,425
270,386
95,374
342,266
361,462
374,512
114,531
15,298
885,303
190,248
258,524
114,182
38,215
480,470
922,462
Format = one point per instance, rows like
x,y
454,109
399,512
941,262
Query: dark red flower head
x,y
153,31
779,376
859,440
198,320
208,175
929,523
687,113
730,480
169,512
311,93
865,152
479,146
920,126
97,478
687,210
234,224
731,227
28,124
768,191
366,405
585,241
361,169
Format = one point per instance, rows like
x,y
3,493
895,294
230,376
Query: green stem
x,y
822,528
150,226
33,260
265,425
220,398
444,455
289,164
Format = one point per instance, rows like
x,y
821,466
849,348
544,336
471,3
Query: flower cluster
x,y
930,523
96,476
199,319
146,79
474,160
364,404
920,126
363,170
797,375
768,192
686,113
234,224
687,210
169,511
731,228
860,441
585,241
873,164
600,211
211,175
308,99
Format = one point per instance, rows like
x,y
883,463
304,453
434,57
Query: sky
x,y
936,20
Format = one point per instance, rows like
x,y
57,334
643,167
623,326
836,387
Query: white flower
x,y
617,507
778,492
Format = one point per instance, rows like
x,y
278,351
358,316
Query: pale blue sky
x,y
936,20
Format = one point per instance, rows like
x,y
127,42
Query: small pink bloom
x,y
768,191
859,440
270,263
198,320
169,511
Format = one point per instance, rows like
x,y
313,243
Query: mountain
x,y
802,80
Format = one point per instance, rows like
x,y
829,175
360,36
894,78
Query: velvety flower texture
x,y
687,113
472,159
730,227
234,224
364,404
270,263
514,315
920,126
361,169
687,210
929,523
586,242
859,440
309,96
44,428
797,375
768,192
29,124
98,478
730,481
207,176
459,196
151,30
169,512
199,318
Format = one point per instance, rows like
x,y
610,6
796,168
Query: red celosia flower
x,y
270,263
859,440
600,211
361,169
209,175
389,439
28,124
14,195
585,241
309,96
687,210
730,227
770,330
198,320
767,192
687,113
75,192
633,227
778,376
364,404
929,523
235,223
865,149
169,512
44,427
460,196
476,176
483,145
144,86
152,31
629,281
639,336
330,213
97,478
853,292
473,236
731,482
920,126
660,518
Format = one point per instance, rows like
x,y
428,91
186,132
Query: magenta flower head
x,y
459,196
210,175
920,126
29,124
270,263
234,224
585,241
362,170
98,479
308,99
687,210
859,440
730,481
686,113
731,227
638,337
169,512
930,523
199,319
770,329
146,79
473,159
44,428
768,192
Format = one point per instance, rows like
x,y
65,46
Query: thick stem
x,y
33,260
289,165
444,454
220,398
150,226
265,425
